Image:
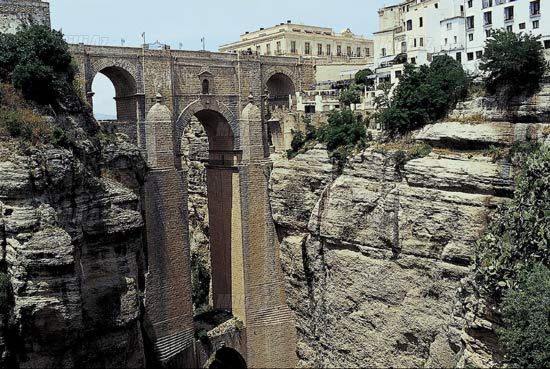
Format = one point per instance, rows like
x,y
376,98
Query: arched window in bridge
x,y
205,87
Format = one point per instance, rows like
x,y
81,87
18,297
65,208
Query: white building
x,y
414,31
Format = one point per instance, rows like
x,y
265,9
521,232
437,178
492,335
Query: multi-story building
x,y
16,13
414,31
337,55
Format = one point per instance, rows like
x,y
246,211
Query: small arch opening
x,y
228,358
124,86
281,89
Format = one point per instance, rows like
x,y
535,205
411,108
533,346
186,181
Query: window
x,y
205,87
409,25
456,40
319,49
522,26
383,51
449,26
268,49
459,57
446,40
421,41
534,6
398,74
479,54
413,60
470,56
328,50
278,47
258,49
358,52
487,18
487,4
308,48
367,51
547,44
470,3
415,42
535,24
470,36
436,5
338,50
293,47
348,49
470,22
488,33
509,13
509,28
421,22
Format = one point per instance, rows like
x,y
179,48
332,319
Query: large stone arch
x,y
206,104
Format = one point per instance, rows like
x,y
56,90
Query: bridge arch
x,y
211,111
228,358
222,130
280,85
124,76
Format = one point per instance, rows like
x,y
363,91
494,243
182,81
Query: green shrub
x,y
519,234
424,95
514,63
342,129
37,61
525,335
362,78
351,95
24,124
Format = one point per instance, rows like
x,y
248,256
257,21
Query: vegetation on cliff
x,y
512,263
36,60
423,95
513,63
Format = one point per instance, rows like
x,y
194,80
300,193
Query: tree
x,y
38,62
424,95
514,64
351,95
342,129
361,77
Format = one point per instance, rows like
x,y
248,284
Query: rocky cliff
x,y
377,258
71,233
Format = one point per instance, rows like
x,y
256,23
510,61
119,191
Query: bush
x,y
342,129
361,78
24,124
526,317
519,234
514,64
351,95
37,61
424,95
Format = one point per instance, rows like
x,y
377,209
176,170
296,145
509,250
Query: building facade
x,y
337,55
414,31
16,13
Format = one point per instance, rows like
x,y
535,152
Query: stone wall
x,y
15,13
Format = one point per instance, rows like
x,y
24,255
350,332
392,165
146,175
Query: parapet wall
x,y
14,14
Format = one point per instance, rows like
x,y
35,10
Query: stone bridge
x,y
158,92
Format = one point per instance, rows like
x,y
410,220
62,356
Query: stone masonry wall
x,y
15,13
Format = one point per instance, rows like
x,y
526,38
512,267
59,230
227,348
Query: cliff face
x,y
72,237
377,258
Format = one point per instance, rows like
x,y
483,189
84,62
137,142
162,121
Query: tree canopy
x,y
513,63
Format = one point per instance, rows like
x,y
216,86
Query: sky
x,y
185,22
